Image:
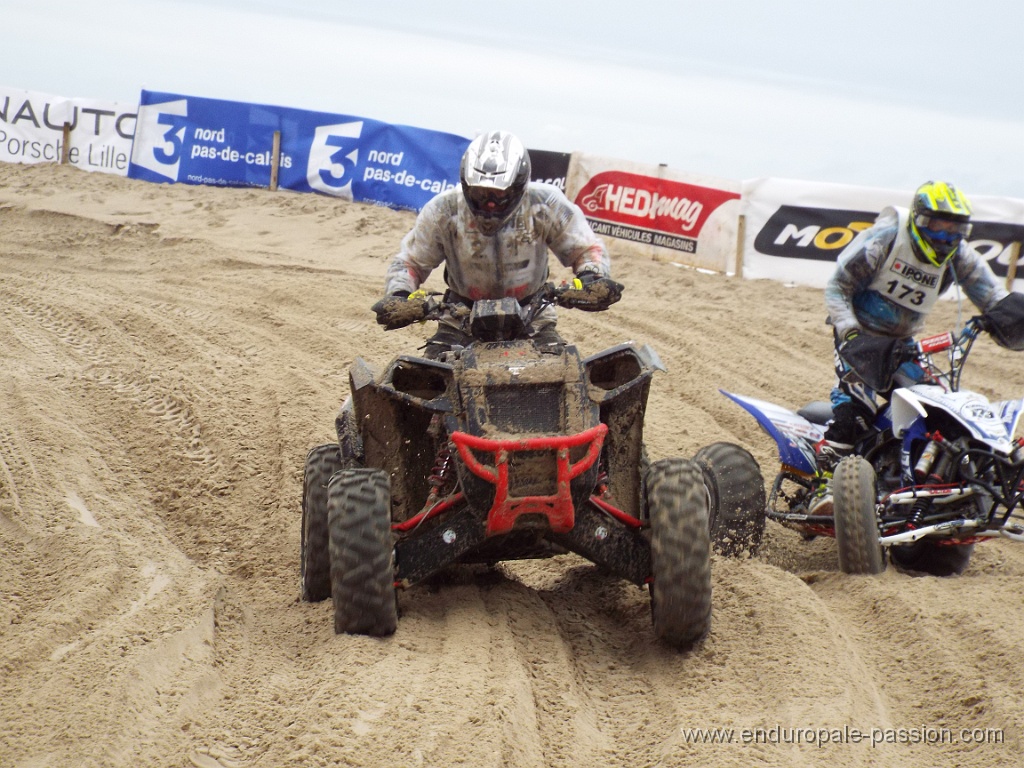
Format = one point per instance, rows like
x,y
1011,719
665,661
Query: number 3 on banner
x,y
332,159
160,138
173,138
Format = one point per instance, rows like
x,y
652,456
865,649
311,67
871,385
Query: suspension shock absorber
x,y
931,469
935,460
917,512
928,456
439,475
442,466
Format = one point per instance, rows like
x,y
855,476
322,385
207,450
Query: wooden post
x,y
275,161
65,149
741,235
1011,267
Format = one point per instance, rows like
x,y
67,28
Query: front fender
x,y
905,408
991,423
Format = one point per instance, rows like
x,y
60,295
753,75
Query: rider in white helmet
x,y
493,234
885,284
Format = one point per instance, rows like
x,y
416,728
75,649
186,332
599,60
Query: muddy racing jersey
x,y
881,286
512,262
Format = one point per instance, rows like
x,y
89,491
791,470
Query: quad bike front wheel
x,y
680,552
314,560
362,552
853,497
736,498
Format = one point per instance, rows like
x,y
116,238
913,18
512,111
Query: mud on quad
x,y
506,450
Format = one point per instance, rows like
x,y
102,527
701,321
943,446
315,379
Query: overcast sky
x,y
883,93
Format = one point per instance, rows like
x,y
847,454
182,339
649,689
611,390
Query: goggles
x,y
490,201
942,230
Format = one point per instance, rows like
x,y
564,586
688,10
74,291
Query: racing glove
x,y
400,309
1005,321
590,292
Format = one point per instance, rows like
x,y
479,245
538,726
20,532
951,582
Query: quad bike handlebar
x,y
940,358
594,296
877,359
944,369
1004,323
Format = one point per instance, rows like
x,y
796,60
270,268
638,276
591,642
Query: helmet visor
x,y
491,202
942,230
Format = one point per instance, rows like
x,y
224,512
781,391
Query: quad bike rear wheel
x,y
314,560
736,498
680,552
857,537
928,556
362,552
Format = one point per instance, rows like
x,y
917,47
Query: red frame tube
x,y
557,507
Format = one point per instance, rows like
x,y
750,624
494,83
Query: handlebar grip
x,y
937,343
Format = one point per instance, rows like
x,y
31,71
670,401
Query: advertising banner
x,y
203,141
207,141
32,130
368,161
795,230
549,167
656,212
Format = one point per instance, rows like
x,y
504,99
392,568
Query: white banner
x,y
795,230
32,130
655,212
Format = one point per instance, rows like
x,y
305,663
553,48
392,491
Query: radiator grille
x,y
533,410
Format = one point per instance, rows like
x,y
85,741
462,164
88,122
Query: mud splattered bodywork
x,y
504,449
511,409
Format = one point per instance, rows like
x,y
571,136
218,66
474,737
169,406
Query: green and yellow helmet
x,y
940,218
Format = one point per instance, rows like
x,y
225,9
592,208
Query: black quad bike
x,y
504,450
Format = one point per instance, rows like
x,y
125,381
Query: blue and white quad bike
x,y
939,472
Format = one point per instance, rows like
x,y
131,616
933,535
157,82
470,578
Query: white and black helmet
x,y
494,173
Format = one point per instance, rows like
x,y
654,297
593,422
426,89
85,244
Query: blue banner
x,y
207,141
